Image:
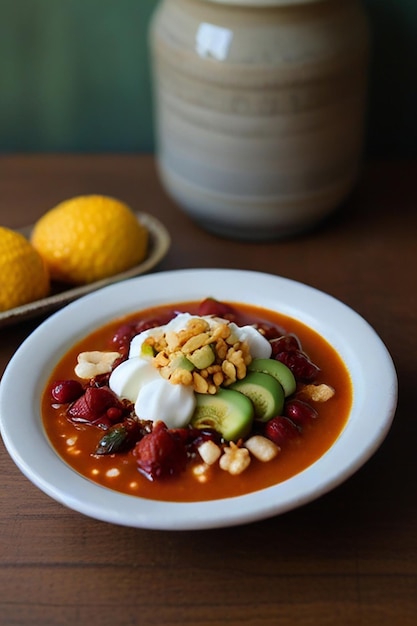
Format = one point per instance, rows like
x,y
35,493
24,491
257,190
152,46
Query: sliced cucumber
x,y
202,357
228,412
265,393
147,351
181,362
178,362
278,370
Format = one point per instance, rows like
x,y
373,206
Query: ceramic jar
x,y
259,110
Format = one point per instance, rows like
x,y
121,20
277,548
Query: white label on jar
x,y
213,41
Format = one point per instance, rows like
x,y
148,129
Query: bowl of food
x,y
197,399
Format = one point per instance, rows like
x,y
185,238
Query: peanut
x,y
94,363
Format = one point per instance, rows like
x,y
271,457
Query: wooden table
x,y
349,558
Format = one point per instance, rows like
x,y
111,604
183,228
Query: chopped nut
x,y
226,361
209,452
196,342
93,363
234,460
198,325
262,448
318,393
247,357
218,378
181,376
221,349
222,331
161,359
236,357
229,371
165,372
158,344
200,384
193,328
172,341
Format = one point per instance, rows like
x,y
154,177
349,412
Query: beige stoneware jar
x,y
259,110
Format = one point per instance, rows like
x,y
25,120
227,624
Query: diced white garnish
x,y
262,448
94,363
128,377
160,400
209,452
259,347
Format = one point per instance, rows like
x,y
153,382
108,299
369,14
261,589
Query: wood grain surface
x,y
347,559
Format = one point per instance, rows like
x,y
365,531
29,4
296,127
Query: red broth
x,y
76,443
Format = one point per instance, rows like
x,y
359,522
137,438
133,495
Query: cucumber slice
x,y
181,362
147,351
278,370
265,393
202,357
228,412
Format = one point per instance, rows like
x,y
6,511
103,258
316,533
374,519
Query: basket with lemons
x,y
80,241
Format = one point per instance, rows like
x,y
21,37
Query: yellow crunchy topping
x,y
179,356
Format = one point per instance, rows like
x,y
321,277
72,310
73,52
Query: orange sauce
x,y
76,443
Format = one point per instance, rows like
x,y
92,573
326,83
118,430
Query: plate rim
x,y
152,514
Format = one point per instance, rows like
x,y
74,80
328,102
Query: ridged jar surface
x,y
259,111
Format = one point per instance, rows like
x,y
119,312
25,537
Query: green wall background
x,y
74,76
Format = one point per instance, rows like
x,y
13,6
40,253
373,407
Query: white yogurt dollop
x,y
130,376
171,404
140,382
259,347
156,398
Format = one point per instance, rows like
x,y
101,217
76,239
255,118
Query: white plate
x,y
369,363
159,242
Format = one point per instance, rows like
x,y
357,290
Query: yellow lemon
x,y
88,238
23,274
